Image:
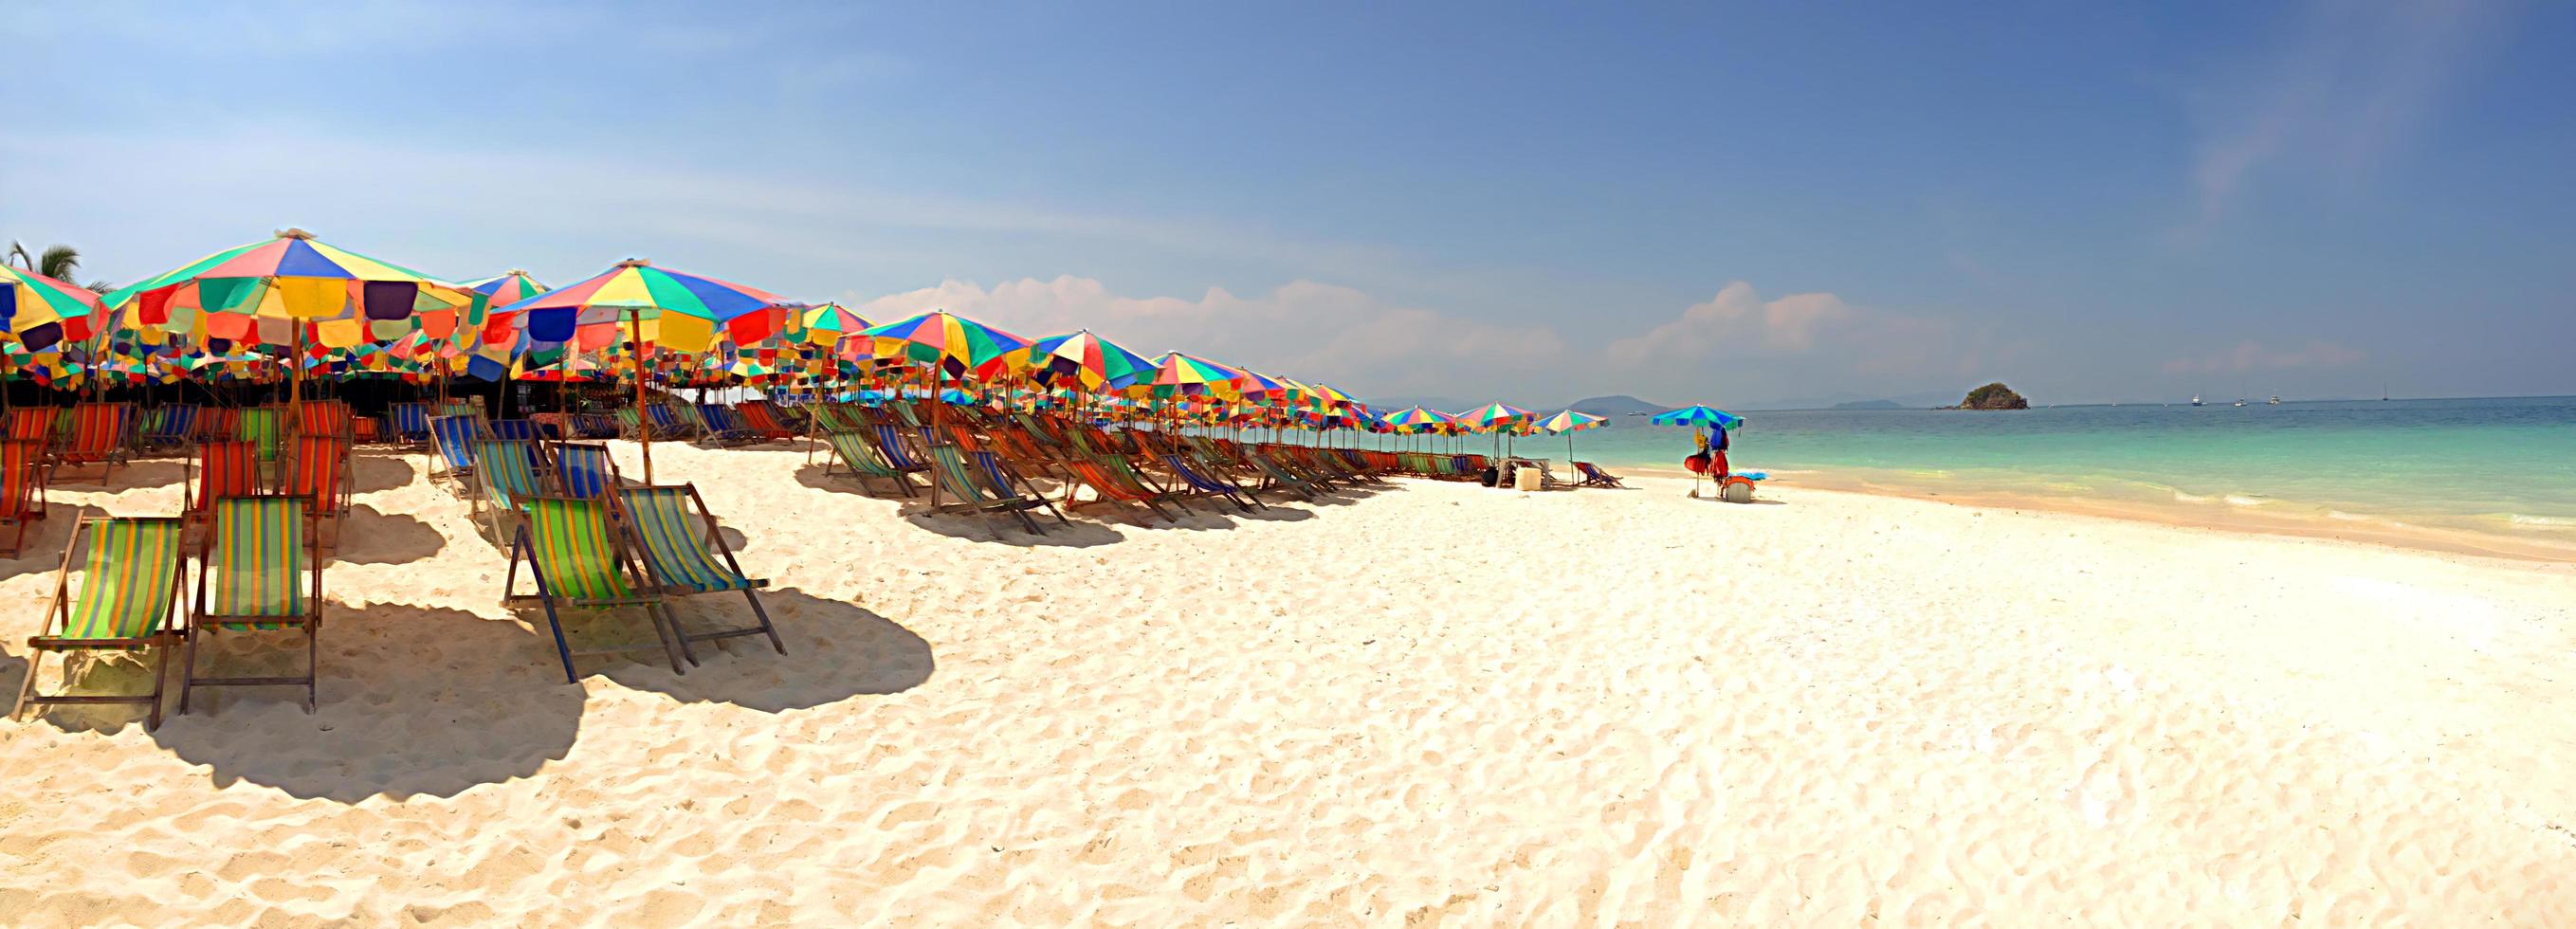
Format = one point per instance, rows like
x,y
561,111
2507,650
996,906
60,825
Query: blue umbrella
x,y
1698,416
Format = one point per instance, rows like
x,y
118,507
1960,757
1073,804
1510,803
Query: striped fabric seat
x,y
514,429
99,434
666,424
585,471
218,424
325,418
22,490
629,423
169,426
852,450
265,428
574,558
255,573
318,472
32,424
224,469
452,440
126,601
411,422
890,444
674,551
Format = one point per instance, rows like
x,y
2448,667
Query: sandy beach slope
x,y
1431,704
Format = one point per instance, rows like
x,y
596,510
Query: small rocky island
x,y
1993,396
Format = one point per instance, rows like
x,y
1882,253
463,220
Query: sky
x,y
1720,203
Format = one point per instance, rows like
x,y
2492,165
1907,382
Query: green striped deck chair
x,y
265,428
630,424
127,602
222,469
579,561
504,475
460,406
853,449
23,470
258,570
953,476
685,555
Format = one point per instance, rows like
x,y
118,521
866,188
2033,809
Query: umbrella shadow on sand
x,y
133,476
836,650
413,701
372,536
1003,528
372,472
41,550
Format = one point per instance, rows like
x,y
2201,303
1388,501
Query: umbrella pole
x,y
643,423
294,383
938,381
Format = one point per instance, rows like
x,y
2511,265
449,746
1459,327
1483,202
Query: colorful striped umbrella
x,y
39,312
957,346
508,288
1570,422
1698,416
279,291
1096,363
826,324
1495,416
1179,375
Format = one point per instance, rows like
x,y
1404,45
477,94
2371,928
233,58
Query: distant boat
x,y
2195,400
2240,401
2275,401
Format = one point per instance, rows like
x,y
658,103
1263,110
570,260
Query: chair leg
x,y
27,689
187,668
160,677
312,664
675,643
765,626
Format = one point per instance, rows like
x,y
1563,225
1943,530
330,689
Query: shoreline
x,y
2377,532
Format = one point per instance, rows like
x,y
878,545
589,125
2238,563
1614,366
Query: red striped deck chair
x,y
258,570
1111,487
762,418
218,423
578,560
23,470
127,601
326,418
102,433
685,554
33,424
317,472
222,469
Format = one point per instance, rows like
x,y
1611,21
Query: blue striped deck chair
x,y
579,560
950,474
666,424
1208,485
514,429
719,425
411,423
506,475
890,444
170,426
999,475
452,447
684,554
585,471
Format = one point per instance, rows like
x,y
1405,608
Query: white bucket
x,y
1525,479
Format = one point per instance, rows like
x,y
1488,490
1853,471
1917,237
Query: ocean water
x,y
2500,465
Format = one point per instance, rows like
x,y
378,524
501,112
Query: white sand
x,y
1432,704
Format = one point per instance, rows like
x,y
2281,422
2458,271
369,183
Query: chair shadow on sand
x,y
413,701
373,471
835,650
372,536
136,475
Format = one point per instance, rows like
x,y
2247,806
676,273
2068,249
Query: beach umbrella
x,y
656,308
1568,423
948,344
1698,416
287,291
508,288
39,312
1089,360
1179,375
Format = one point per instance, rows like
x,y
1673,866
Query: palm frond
x,y
59,262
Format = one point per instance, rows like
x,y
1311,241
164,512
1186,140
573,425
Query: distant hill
x,y
1615,405
1870,405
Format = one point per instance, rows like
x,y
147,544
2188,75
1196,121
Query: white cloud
x,y
1305,330
1735,322
2254,356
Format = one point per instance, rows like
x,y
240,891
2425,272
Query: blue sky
x,y
1703,202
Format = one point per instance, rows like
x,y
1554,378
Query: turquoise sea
x,y
2500,465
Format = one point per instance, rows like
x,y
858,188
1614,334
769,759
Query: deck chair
x,y
890,445
630,424
851,449
578,561
584,471
765,420
685,555
514,429
1004,482
128,601
1209,484
221,470
317,472
218,424
967,491
597,425
1108,486
718,425
257,571
366,429
34,424
1593,476
326,418
168,426
666,424
505,476
23,473
452,441
411,423
1279,474
265,428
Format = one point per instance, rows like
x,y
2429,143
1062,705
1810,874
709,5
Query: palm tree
x,y
58,261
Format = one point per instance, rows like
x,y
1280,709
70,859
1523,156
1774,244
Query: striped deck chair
x,y
851,449
169,426
452,449
1279,475
666,424
890,445
1108,486
24,469
217,424
458,406
327,418
317,472
127,601
968,492
1207,484
597,425
579,562
584,471
685,555
630,424
265,428
764,420
505,475
221,469
1005,483
1593,476
33,424
411,423
257,571
514,429
719,426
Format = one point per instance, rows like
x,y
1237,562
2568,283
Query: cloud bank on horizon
x,y
1529,205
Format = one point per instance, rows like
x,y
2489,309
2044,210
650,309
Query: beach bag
x,y
1698,464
